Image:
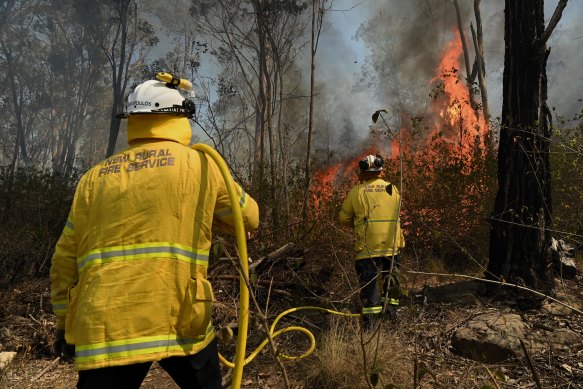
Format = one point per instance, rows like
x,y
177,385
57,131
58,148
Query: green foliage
x,y
567,175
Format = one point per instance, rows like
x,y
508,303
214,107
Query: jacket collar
x,y
159,126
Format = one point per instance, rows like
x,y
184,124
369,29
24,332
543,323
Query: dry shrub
x,y
34,204
339,357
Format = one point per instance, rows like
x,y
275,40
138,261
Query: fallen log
x,y
288,250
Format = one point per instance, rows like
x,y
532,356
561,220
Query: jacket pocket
x,y
201,303
72,296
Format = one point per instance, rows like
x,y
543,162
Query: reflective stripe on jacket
x,y
129,271
374,214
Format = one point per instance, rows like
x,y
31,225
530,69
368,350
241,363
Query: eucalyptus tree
x,y
75,87
255,42
22,55
118,29
182,56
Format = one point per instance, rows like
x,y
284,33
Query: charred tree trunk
x,y
520,225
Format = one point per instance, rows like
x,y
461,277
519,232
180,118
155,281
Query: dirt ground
x,y
422,335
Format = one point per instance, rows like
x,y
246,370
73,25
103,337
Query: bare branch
x,y
481,75
531,365
480,34
542,40
460,27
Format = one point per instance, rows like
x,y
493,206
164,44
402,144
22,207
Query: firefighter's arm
x,y
63,272
223,215
401,241
401,235
346,216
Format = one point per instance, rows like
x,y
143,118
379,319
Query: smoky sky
x,y
384,54
375,54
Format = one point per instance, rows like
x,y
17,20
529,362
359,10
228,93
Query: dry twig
x,y
492,378
531,365
263,321
54,363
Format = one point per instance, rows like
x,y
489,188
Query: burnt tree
x,y
520,224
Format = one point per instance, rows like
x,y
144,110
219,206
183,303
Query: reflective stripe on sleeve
x,y
69,227
227,212
60,307
143,251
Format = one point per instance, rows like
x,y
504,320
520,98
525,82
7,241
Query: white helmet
x,y
158,97
371,163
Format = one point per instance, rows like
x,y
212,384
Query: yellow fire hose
x,y
242,249
240,361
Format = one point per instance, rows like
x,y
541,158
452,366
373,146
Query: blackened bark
x,y
520,225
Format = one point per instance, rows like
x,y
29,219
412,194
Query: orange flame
x,y
454,106
327,180
452,109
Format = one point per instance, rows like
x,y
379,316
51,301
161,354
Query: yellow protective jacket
x,y
374,215
129,273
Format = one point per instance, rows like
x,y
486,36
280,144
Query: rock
x,y
494,337
459,292
5,335
559,340
563,256
491,337
556,309
5,358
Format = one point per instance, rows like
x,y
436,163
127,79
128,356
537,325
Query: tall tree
x,y
76,67
275,29
520,234
22,53
255,41
184,56
125,40
479,67
317,19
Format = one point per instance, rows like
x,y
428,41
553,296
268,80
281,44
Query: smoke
x,y
405,41
565,64
342,114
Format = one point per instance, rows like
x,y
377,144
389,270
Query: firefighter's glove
x,y
63,350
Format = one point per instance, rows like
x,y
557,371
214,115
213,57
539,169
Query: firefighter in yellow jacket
x,y
372,209
129,273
